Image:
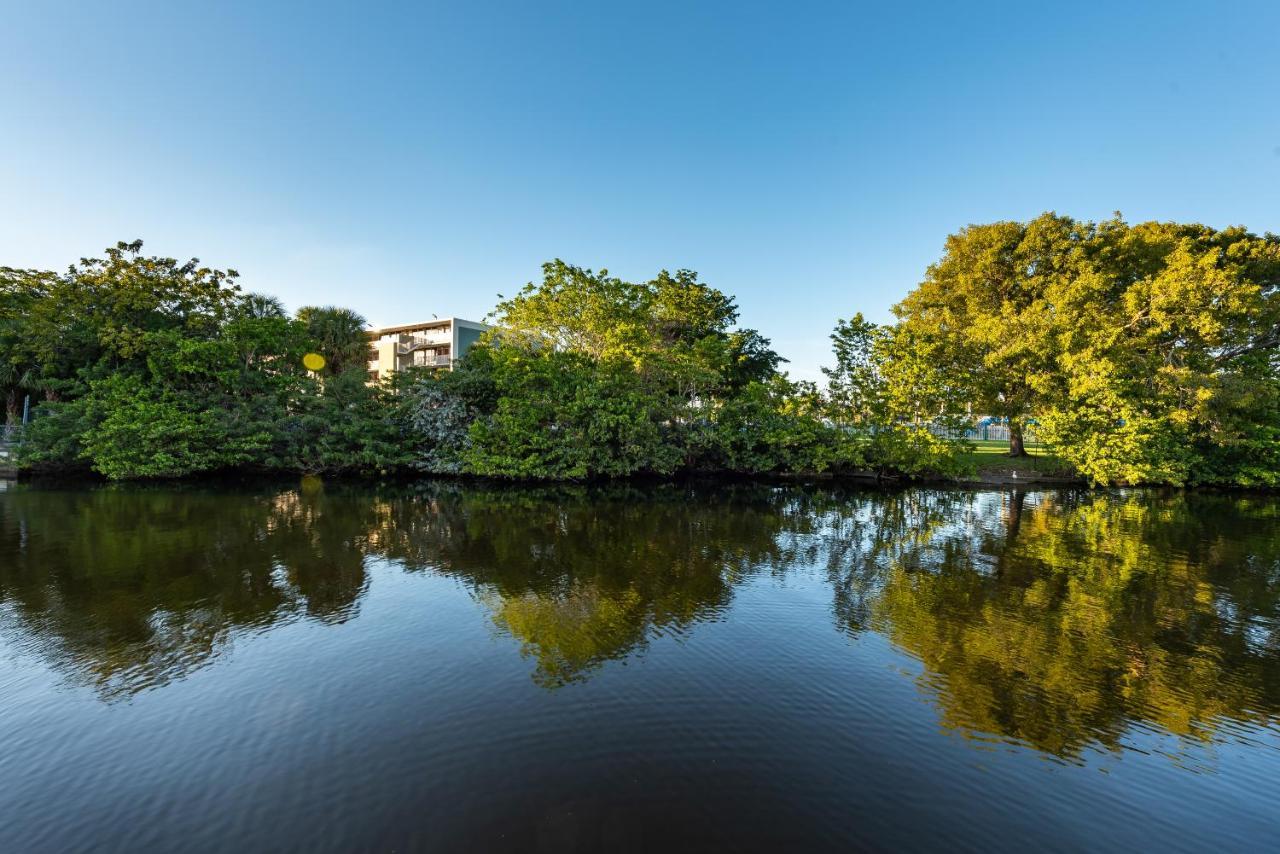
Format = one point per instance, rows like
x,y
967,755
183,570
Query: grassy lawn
x,y
992,456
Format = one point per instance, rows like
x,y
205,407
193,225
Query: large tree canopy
x,y
1168,352
673,324
151,367
589,375
1143,353
986,312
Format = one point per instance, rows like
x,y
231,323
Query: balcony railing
x,y
427,360
420,342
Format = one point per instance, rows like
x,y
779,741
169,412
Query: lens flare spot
x,y
313,362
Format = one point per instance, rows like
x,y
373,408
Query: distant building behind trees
x,y
431,344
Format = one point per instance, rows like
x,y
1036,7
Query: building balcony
x,y
420,342
423,359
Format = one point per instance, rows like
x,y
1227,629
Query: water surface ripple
x,y
451,667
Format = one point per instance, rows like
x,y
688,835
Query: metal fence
x,y
10,436
983,433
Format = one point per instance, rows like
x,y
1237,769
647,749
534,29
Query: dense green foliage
x,y
145,367
1142,353
887,390
1139,354
587,375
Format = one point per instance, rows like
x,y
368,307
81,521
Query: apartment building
x,y
433,344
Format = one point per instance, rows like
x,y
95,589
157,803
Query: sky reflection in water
x,y
1089,629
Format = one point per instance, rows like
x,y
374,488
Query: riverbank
x,y
1013,474
988,463
978,480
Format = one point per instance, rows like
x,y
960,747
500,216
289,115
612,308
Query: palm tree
x,y
339,335
19,290
18,379
261,307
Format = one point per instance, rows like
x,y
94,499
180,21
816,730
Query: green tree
x,y
1169,357
660,326
160,369
855,387
340,336
886,391
664,354
1144,353
773,426
261,307
142,431
94,319
342,425
20,292
985,313
565,415
579,310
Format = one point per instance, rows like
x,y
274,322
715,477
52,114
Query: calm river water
x,y
318,666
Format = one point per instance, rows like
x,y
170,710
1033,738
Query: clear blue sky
x,y
809,158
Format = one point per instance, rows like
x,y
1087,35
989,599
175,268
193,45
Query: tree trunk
x,y
1016,446
1017,498
12,411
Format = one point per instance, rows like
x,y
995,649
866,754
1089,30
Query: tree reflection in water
x,y
1057,619
1054,619
584,575
128,588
